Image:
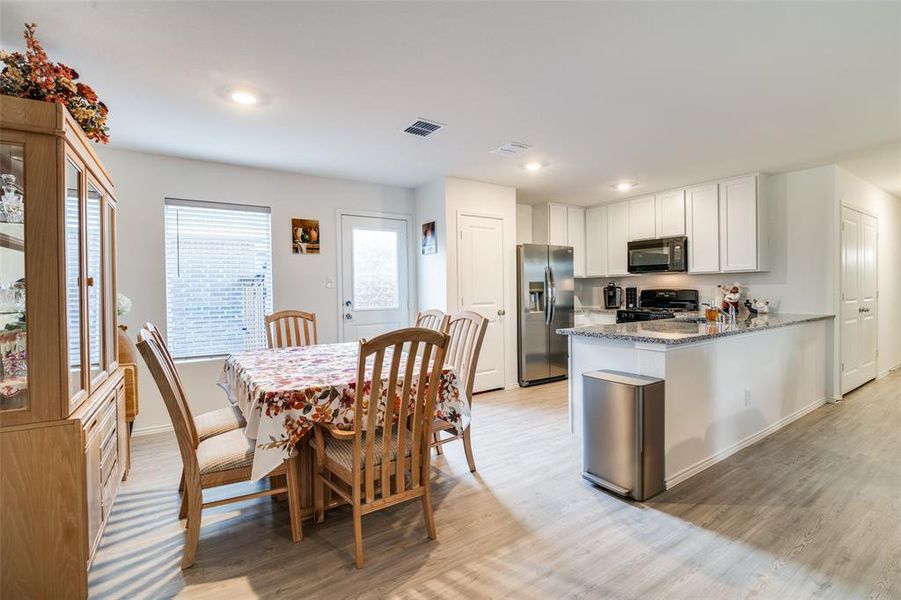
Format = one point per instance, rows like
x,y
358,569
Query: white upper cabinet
x,y
596,241
642,218
703,228
670,213
557,226
575,234
618,219
742,236
561,225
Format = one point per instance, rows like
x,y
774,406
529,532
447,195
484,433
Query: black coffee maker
x,y
613,296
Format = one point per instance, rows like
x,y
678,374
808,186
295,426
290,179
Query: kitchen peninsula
x,y
727,385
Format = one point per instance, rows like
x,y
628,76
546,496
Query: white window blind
x,y
218,277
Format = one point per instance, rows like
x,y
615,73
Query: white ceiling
x,y
663,93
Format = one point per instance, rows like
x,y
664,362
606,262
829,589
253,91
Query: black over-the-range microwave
x,y
664,255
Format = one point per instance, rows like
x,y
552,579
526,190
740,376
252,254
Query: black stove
x,y
660,304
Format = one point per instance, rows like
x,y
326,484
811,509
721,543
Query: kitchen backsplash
x,y
588,291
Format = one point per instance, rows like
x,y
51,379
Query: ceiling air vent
x,y
511,148
423,127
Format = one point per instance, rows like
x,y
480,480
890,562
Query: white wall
x,y
143,181
477,198
442,201
857,193
431,269
523,224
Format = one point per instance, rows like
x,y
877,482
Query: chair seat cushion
x,y
224,452
219,421
341,451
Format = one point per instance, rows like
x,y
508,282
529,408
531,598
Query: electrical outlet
x,y
330,283
747,397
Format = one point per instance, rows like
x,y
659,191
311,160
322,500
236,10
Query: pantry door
x,y
859,295
480,274
374,276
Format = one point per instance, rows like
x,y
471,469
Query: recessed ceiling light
x,y
624,186
242,96
533,166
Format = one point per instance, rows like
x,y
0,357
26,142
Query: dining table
x,y
283,392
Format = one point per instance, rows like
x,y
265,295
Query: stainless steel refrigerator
x,y
544,279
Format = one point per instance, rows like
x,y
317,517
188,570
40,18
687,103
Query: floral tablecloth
x,y
282,392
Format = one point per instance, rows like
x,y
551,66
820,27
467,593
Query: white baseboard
x,y
741,445
139,431
887,371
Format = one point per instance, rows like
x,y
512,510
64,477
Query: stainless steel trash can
x,y
622,434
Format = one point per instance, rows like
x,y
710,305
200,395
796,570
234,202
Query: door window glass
x,y
375,273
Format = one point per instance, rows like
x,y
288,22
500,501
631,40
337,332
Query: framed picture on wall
x,y
305,236
429,241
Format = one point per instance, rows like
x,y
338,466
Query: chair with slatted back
x,y
384,466
288,328
432,319
467,331
210,423
220,460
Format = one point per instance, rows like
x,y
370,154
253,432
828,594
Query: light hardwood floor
x,y
813,511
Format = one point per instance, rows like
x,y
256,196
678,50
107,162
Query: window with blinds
x,y
218,277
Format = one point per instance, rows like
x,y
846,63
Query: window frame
x,y
223,206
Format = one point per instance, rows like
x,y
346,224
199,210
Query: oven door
x,y
650,256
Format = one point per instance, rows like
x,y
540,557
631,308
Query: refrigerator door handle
x,y
547,295
552,295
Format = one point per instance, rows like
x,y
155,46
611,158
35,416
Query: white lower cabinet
x,y
618,238
703,228
596,241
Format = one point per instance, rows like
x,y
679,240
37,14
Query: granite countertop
x,y
685,329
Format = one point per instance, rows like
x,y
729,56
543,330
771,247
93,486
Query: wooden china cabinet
x,y
62,413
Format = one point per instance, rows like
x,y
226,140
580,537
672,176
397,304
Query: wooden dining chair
x,y
206,424
432,319
221,460
384,466
287,328
467,331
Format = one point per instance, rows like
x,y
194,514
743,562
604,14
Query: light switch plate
x,y
330,283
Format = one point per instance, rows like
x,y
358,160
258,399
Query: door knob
x,y
348,316
501,312
348,303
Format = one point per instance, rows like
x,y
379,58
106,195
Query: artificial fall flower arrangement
x,y
32,75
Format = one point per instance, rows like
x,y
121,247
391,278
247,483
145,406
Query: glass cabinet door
x,y
13,347
95,283
73,277
109,269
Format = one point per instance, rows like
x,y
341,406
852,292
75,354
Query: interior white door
x,y
859,294
480,264
374,276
